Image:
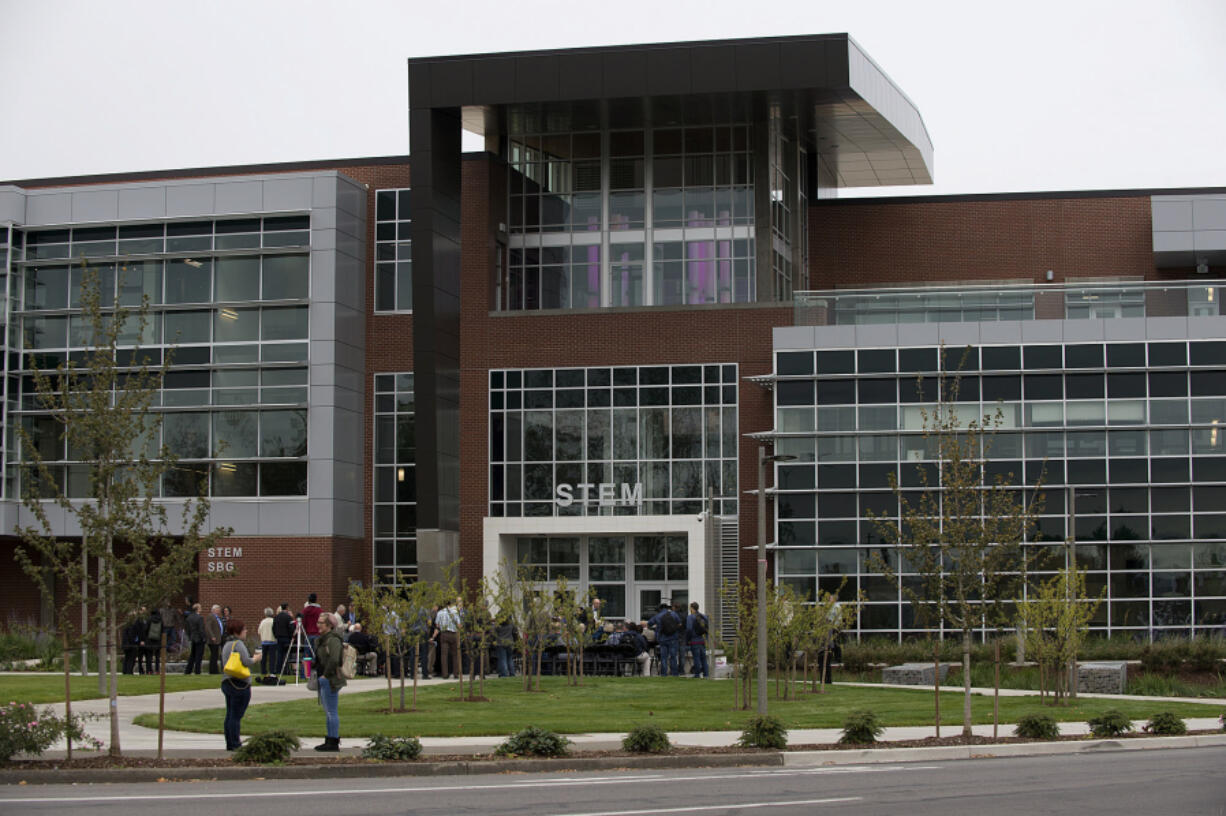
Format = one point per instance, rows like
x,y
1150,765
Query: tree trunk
x,y
161,691
966,684
400,653
67,694
459,660
417,669
996,694
112,647
387,671
822,671
936,684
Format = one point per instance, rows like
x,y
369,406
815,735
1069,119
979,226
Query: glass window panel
x,y
235,479
288,323
283,433
183,328
189,280
234,434
283,478
236,325
187,434
238,278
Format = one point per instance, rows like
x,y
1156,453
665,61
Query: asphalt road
x,y
1186,782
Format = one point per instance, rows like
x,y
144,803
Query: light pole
x,y
762,460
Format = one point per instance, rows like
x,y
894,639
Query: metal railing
x,y
975,303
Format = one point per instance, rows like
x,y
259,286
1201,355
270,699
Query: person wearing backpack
x,y
696,626
667,626
151,644
329,658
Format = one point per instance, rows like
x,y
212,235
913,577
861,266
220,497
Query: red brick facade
x,y
903,242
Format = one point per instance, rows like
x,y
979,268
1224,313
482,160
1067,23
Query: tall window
x,y
395,480
393,251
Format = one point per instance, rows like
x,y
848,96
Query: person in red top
x,y
310,624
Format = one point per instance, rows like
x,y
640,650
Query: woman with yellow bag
x,y
236,685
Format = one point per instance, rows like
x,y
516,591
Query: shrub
x,y
1111,723
533,741
1037,726
860,728
394,748
269,748
23,730
647,739
764,732
1164,722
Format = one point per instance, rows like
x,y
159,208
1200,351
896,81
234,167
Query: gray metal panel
x,y
1167,328
786,337
1004,332
1125,328
323,517
95,205
957,334
239,197
242,516
918,334
189,199
1168,215
142,201
12,209
877,335
1209,213
1042,331
281,517
48,208
1084,330
287,193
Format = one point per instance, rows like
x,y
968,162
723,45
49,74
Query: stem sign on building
x,y
222,559
604,494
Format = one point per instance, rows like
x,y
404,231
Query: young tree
x,y
47,561
101,413
963,536
1058,614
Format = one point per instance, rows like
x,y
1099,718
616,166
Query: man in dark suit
x,y
213,633
193,629
283,631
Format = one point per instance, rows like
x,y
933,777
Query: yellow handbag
x,y
234,666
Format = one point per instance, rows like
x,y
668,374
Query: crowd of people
x,y
311,642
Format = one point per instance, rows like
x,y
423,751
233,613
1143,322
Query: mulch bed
x,y
102,762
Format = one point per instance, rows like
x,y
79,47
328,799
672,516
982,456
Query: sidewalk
x,y
139,741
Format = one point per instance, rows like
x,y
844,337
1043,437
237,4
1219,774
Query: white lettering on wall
x,y
227,553
607,494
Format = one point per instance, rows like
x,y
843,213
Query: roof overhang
x,y
850,114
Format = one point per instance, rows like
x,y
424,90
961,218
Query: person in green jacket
x,y
329,654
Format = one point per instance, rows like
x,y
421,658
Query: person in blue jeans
x,y
237,692
667,626
329,654
696,627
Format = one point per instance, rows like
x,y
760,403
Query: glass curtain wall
x,y
229,305
639,216
670,429
395,480
1136,429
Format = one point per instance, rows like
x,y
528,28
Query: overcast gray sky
x,y
1041,95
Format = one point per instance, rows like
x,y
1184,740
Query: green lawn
x,y
49,688
618,704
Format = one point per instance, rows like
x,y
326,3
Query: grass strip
x,y
619,704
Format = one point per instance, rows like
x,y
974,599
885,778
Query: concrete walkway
x,y
139,741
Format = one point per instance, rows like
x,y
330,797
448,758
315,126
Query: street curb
x,y
49,776
788,759
809,759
